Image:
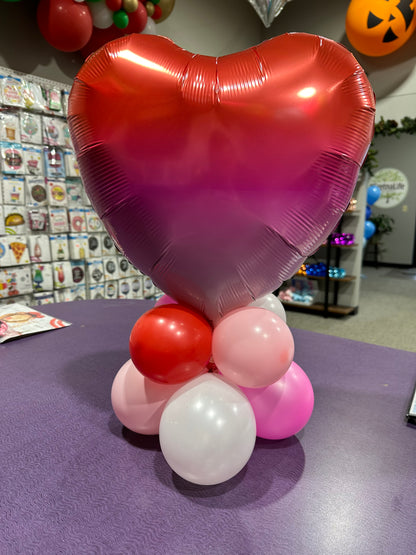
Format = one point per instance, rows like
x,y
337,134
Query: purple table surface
x,y
73,480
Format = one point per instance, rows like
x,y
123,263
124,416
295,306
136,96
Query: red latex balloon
x,y
65,24
137,20
171,344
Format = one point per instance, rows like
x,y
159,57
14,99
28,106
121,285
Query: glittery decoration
x,y
342,239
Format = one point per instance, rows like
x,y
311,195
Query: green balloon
x,y
120,19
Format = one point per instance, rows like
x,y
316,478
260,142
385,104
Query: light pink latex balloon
x,y
252,347
283,408
165,299
139,402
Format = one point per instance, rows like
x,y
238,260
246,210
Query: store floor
x,y
386,315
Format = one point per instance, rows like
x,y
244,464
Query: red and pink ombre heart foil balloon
x,y
217,177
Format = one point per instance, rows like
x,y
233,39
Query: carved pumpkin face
x,y
379,27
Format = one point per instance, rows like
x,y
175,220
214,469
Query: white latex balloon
x,y
207,430
150,28
272,303
102,17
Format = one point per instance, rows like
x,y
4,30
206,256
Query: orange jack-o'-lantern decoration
x,y
379,27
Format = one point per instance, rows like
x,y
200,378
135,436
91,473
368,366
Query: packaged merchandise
x,y
123,267
63,295
52,131
108,246
32,96
59,247
55,100
78,272
149,289
78,245
30,128
67,136
56,192
77,222
15,218
32,160
13,190
36,191
58,219
110,268
62,274
78,293
15,281
42,277
39,248
2,228
95,271
5,258
111,289
38,220
54,162
9,126
74,193
96,291
71,164
94,245
11,89
18,249
12,158
94,224
46,297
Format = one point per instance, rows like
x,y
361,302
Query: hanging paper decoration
x,y
268,10
379,27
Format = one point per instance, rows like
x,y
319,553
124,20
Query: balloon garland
x,y
81,25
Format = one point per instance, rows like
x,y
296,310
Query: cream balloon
x,y
102,17
272,303
207,430
150,28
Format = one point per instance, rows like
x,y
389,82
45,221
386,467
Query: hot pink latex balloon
x,y
137,401
217,177
283,408
252,347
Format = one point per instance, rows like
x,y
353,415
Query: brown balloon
x,y
166,7
150,8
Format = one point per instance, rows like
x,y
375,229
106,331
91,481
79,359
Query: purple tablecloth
x,y
74,481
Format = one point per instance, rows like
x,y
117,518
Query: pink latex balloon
x,y
165,299
283,408
139,402
252,347
217,177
